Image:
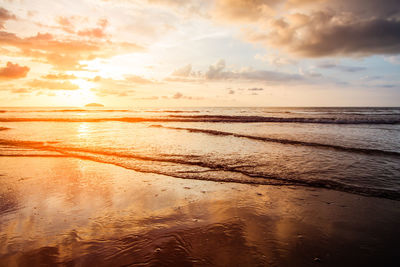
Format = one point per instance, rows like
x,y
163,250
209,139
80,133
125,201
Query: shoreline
x,y
74,211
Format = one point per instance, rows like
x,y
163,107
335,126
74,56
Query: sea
x,y
349,149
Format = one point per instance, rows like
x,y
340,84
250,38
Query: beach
x,y
199,133
199,187
66,211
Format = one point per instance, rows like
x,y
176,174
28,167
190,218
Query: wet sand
x,y
72,212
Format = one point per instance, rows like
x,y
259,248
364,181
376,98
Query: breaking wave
x,y
370,151
190,167
65,110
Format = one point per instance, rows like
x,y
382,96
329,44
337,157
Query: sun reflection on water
x,y
83,133
83,129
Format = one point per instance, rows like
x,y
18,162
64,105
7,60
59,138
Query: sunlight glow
x,y
116,67
78,97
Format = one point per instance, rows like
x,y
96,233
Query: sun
x,y
78,97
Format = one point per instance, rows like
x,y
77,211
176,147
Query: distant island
x,y
91,105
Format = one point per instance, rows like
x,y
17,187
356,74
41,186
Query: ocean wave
x,y
64,110
370,151
172,111
216,119
196,168
327,120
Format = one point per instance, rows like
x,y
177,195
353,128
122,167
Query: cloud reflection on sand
x,y
70,211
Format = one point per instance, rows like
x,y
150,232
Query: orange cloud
x,y
21,90
137,79
50,85
69,25
65,24
59,76
244,10
303,2
13,71
96,32
4,16
64,53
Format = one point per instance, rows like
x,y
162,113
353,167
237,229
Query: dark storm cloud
x,y
319,28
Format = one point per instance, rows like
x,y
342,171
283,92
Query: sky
x,y
164,53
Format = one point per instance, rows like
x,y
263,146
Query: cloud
x,y
175,3
218,72
393,59
98,32
390,86
137,79
183,72
118,87
244,10
69,25
95,32
66,23
177,96
371,78
112,91
64,53
269,76
52,85
318,28
21,90
147,98
13,71
326,34
328,65
185,7
4,16
59,76
277,59
310,73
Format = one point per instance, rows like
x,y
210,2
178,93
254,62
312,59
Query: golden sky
x,y
200,53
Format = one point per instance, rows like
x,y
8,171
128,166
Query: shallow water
x,y
254,191
354,150
71,212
